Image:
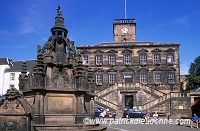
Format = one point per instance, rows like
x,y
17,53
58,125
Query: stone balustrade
x,y
107,103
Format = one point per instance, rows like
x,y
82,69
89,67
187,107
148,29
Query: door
x,y
128,101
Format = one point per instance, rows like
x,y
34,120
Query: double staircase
x,y
160,97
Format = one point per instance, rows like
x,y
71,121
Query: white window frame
x,y
99,78
111,59
112,78
171,77
157,58
157,77
143,58
85,59
170,58
99,59
143,77
127,58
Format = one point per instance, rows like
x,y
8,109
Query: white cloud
x,y
184,20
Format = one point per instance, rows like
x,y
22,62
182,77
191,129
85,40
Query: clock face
x,y
124,30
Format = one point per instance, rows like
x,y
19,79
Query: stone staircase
x,y
106,91
159,101
106,104
160,97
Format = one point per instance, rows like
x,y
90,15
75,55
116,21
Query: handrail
x,y
113,87
160,99
107,103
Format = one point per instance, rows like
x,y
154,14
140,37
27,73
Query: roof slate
x,y
4,61
17,65
115,44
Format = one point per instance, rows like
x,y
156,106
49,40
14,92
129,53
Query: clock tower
x,y
124,30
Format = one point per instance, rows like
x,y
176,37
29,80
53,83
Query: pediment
x,y
143,70
170,69
112,51
98,52
157,69
170,50
127,70
142,51
127,50
156,50
111,70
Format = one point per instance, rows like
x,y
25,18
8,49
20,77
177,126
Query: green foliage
x,y
194,74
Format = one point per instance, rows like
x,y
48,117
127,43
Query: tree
x,y
194,74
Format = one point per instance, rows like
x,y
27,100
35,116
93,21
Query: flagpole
x,y
125,9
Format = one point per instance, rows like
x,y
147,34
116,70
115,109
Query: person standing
x,y
195,119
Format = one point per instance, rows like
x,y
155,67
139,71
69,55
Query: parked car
x,y
110,114
133,113
97,111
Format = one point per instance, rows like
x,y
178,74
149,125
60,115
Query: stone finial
x,y
59,10
12,93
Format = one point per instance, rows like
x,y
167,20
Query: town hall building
x,y
130,73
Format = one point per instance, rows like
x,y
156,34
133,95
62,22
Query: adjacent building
x,y
10,71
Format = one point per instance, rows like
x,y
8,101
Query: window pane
x,y
85,59
157,77
170,77
170,58
99,78
157,58
143,78
143,58
112,78
99,59
111,59
127,58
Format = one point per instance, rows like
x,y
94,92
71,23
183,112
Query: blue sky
x,y
26,23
